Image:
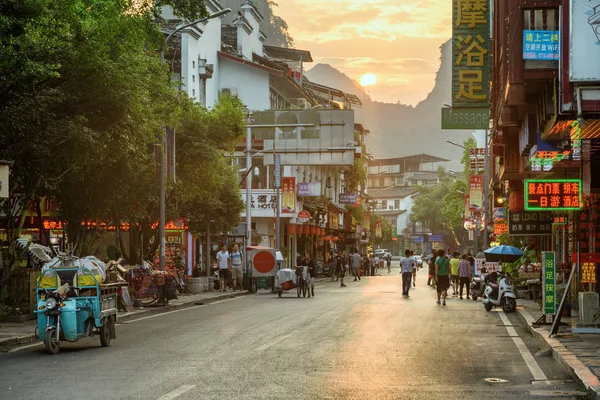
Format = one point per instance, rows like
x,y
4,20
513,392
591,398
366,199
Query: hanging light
x,y
313,229
326,238
291,229
335,239
300,230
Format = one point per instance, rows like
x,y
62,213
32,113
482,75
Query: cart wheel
x,y
105,333
51,342
279,293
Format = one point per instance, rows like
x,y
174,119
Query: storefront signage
x,y
4,172
309,189
303,216
589,219
465,118
489,266
541,45
588,272
499,214
264,203
500,228
277,158
436,238
348,198
288,194
470,53
552,194
476,190
586,257
530,223
548,263
584,47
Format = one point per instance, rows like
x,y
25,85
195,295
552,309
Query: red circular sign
x,y
303,216
264,262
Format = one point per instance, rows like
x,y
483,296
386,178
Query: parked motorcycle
x,y
477,286
499,294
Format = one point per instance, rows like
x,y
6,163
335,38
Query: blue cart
x,y
71,304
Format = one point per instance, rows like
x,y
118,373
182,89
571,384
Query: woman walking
x,y
442,273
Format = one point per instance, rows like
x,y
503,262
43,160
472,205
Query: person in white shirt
x,y
237,273
407,263
224,264
376,263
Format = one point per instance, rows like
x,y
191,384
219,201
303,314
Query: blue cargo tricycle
x,y
72,304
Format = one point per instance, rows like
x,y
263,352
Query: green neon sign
x,y
553,194
549,263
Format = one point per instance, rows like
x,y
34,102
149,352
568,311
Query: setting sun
x,y
368,80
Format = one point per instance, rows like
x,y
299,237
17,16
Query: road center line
x,y
533,366
272,342
24,347
160,314
177,392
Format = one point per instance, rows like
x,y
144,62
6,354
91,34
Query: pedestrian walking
x,y
389,263
367,265
307,262
407,263
414,269
442,274
465,274
355,259
431,272
480,253
237,273
342,269
224,265
375,263
454,261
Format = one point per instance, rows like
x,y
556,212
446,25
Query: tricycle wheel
x,y
105,333
51,342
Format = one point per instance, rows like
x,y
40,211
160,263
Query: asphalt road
x,y
360,342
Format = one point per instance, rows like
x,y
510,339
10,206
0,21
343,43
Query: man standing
x,y
389,263
414,268
356,260
465,273
407,263
311,271
375,263
236,267
224,264
480,254
442,273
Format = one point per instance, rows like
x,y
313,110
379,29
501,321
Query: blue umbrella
x,y
502,253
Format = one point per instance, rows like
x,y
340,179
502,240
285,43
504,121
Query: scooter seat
x,y
494,286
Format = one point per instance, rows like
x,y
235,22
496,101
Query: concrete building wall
x,y
251,85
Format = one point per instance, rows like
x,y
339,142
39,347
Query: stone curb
x,y
129,316
570,363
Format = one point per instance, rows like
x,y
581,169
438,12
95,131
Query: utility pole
x,y
486,185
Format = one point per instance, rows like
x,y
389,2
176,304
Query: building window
x,y
382,182
393,222
396,204
394,168
193,78
193,92
384,204
194,64
399,181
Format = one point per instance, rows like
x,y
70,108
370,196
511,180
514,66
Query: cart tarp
x,y
83,276
284,275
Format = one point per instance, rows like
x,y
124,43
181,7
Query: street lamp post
x,y
162,219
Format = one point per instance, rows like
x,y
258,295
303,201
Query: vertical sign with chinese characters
x,y
476,190
552,194
588,272
470,53
378,229
549,262
288,194
277,171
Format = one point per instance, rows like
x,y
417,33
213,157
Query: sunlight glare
x,y
368,80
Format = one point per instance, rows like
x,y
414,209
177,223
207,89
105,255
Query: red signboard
x,y
303,216
552,194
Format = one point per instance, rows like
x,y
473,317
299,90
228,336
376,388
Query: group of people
x,y
357,265
451,270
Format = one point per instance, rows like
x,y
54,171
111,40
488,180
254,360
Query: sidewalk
x,y
12,333
579,354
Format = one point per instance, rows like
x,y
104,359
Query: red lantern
x,y
313,229
291,229
300,230
326,238
321,232
335,239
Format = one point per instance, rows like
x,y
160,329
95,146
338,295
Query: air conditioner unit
x,y
299,104
588,308
229,91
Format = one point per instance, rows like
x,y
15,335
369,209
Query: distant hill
x,y
398,129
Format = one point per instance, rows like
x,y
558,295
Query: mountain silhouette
x,y
398,129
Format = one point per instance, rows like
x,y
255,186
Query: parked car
x,y
383,253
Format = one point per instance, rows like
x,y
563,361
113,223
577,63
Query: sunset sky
x,y
397,40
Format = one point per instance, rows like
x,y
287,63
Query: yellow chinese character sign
x,y
588,272
470,53
549,262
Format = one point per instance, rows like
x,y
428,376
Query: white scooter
x,y
499,294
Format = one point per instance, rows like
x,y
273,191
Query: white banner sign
x,y
585,41
489,266
263,203
4,172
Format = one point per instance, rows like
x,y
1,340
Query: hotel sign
x,y
552,194
470,53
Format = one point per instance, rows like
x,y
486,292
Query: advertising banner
x,y
378,229
549,264
530,223
588,272
584,57
476,190
4,172
309,189
288,194
470,53
552,194
541,45
489,266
